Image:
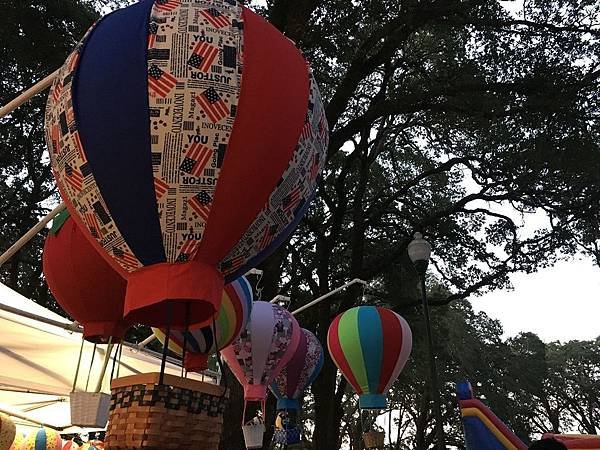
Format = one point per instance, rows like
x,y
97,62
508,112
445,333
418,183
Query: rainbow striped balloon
x,y
43,439
370,345
7,432
233,315
18,441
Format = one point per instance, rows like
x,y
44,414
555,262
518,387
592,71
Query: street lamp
x,y
419,252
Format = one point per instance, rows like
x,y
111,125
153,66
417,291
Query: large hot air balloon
x,y
370,345
42,439
299,373
231,320
7,432
83,283
172,145
263,348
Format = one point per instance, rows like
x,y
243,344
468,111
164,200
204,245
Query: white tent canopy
x,y
38,362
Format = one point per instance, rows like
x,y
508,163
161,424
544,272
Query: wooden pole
x,y
31,92
30,234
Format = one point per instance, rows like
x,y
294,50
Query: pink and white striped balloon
x,y
263,349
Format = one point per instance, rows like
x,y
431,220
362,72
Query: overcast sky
x,y
558,303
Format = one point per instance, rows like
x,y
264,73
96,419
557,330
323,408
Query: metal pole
x,y
329,294
165,352
104,365
146,341
435,391
30,234
32,91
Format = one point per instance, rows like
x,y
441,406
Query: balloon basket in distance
x,y
89,409
374,439
179,414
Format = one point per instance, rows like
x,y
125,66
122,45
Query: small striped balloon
x,y
43,439
299,373
70,445
18,441
7,432
370,345
233,315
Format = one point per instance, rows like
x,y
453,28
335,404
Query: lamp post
x,y
419,251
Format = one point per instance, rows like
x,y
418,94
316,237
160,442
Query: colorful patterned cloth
x,y
263,348
43,439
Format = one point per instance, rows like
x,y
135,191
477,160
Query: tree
x,y
36,37
452,117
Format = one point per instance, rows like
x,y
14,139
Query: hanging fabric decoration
x,y
172,145
370,346
265,346
299,373
7,432
17,441
43,439
201,342
83,283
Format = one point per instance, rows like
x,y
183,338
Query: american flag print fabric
x,y
213,105
167,5
159,82
196,159
215,17
204,88
203,56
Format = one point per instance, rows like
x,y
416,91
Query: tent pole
x,y
31,92
30,234
65,326
28,419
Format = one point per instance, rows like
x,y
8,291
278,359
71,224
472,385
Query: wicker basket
x,y
89,409
180,414
374,439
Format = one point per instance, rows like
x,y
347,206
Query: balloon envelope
x,y
18,441
264,347
43,439
84,284
231,320
7,432
70,445
370,345
173,147
299,373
